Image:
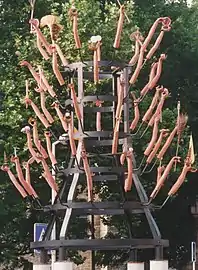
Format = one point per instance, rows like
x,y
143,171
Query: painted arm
x,y
164,176
116,44
61,55
74,16
37,142
27,186
26,166
96,67
167,144
40,48
55,66
120,95
123,157
136,112
138,43
75,101
69,121
44,109
60,115
116,133
154,102
163,134
23,193
43,120
138,68
153,138
129,179
88,174
34,154
35,24
45,82
160,170
153,71
49,148
158,112
152,31
181,179
34,74
155,80
157,42
152,74
98,116
48,176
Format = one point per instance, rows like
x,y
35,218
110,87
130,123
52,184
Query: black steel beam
x,y
100,244
100,208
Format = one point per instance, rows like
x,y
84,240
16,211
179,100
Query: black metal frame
x,y
115,173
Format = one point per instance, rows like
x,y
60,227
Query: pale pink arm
x,y
41,50
29,143
180,180
134,59
48,176
49,148
5,168
71,138
45,82
164,176
153,138
27,187
75,101
123,157
98,116
75,31
167,143
155,80
37,142
61,117
61,55
56,68
116,44
27,170
34,74
129,179
155,46
136,112
155,99
160,170
163,133
37,112
158,112
88,174
96,67
44,109
152,74
34,23
153,71
151,33
120,95
138,68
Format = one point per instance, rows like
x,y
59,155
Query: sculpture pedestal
x,y
135,266
63,266
158,265
41,267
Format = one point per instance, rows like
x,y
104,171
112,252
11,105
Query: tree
x,y
180,75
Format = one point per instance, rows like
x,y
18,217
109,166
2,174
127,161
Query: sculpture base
x,y
41,267
158,265
63,266
135,266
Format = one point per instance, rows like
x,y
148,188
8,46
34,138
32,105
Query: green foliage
x,y
95,18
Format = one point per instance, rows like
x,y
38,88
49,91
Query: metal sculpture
x,y
84,145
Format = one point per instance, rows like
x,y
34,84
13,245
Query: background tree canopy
x,y
180,75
